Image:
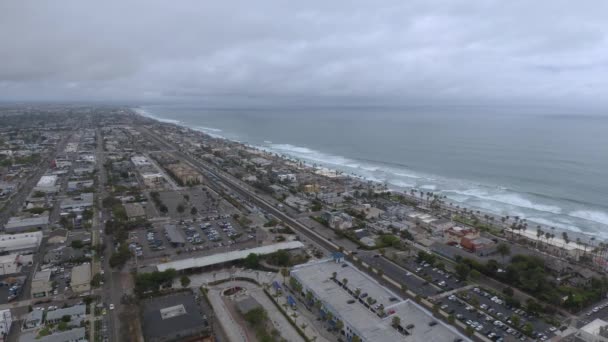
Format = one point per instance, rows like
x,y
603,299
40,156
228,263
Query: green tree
x,y
252,260
185,281
193,211
396,321
503,249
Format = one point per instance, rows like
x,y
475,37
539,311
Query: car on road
x,y
111,306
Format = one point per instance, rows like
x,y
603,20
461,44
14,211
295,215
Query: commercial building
x,y
135,211
152,180
81,278
74,335
47,183
41,284
454,235
367,309
594,331
18,224
24,243
140,161
76,314
77,203
11,263
33,319
175,317
184,173
479,245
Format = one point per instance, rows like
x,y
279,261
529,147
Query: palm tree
x,y
504,250
334,275
284,273
344,282
396,321
539,233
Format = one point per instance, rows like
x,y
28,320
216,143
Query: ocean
x,y
546,166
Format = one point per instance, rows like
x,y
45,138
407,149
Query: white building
x,y
11,263
140,161
25,243
6,320
595,331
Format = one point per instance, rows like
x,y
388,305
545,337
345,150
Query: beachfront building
x,y
359,306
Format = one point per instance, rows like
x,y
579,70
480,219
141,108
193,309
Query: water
x,y
549,167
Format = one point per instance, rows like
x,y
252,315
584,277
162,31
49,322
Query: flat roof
x,y
47,181
316,277
42,275
81,274
594,326
11,242
17,221
173,235
227,257
168,317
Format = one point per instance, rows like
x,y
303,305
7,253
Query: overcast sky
x,y
398,51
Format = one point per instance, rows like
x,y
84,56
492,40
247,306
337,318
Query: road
x,y
388,268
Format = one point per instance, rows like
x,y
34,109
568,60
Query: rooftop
x,y
81,274
359,315
76,310
226,257
77,334
172,316
17,221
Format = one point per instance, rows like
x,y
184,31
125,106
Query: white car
x,y
111,306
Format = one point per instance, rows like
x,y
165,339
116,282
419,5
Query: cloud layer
x,y
385,52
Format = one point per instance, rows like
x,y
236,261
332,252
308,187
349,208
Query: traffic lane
x,y
400,275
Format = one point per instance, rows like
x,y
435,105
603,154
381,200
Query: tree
x,y
462,271
193,211
180,208
516,320
77,244
185,281
396,321
163,209
252,260
503,249
284,273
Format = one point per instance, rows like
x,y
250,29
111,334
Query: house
x,y
287,177
6,320
298,203
77,203
338,220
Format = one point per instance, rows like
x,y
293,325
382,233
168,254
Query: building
x,y
184,173
175,238
24,243
17,224
73,335
6,321
454,235
479,245
594,331
298,203
135,211
152,180
140,161
76,313
174,317
338,220
81,278
33,319
77,203
11,263
365,308
47,183
41,284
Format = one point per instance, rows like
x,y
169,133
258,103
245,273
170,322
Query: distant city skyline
x,y
341,53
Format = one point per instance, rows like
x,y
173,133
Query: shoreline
x,y
574,233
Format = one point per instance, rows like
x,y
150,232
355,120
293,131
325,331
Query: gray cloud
x,y
384,52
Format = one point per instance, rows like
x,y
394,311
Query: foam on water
x,y
500,200
589,215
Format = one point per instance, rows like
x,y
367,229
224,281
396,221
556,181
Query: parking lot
x,y
206,236
493,317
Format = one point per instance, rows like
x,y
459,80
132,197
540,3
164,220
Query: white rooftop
x,y
47,181
226,257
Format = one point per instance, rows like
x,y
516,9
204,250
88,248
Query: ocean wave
x,y
147,114
591,215
212,129
509,199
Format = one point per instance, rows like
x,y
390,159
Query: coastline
x,y
572,231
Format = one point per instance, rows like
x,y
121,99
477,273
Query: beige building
x,y
185,173
42,284
81,278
